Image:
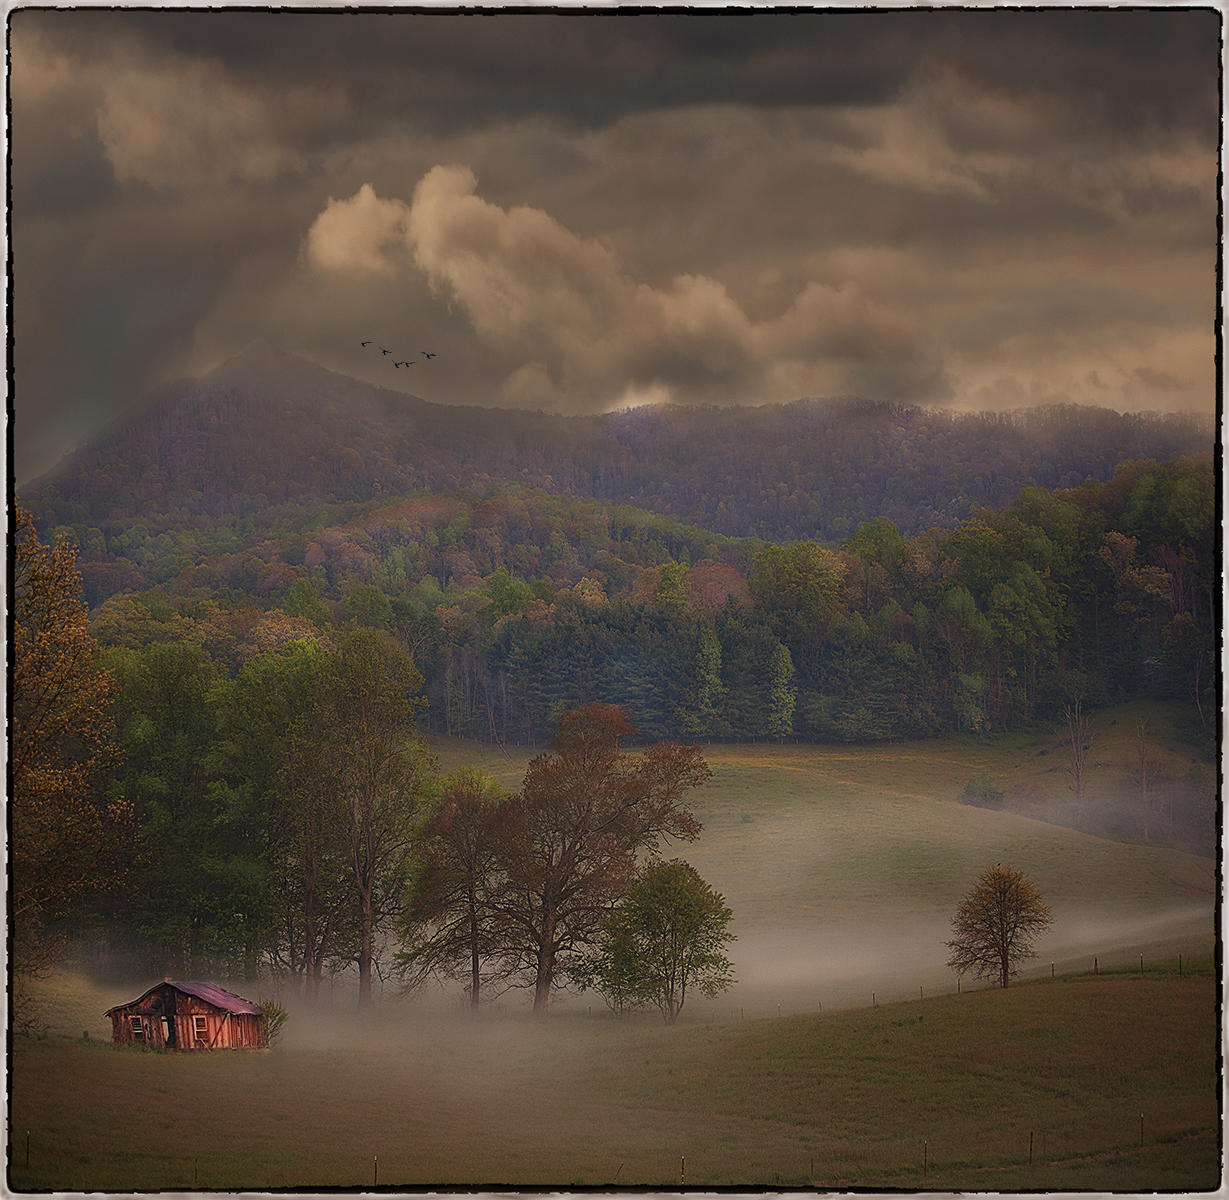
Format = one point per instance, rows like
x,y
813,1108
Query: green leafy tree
x,y
996,925
283,808
782,695
667,937
178,903
797,587
382,773
702,716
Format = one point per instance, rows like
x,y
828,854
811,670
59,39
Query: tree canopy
x,y
997,924
66,839
585,811
665,938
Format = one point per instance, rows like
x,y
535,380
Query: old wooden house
x,y
189,1016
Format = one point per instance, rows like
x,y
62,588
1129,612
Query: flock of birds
x,y
405,362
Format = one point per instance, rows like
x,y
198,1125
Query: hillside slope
x,y
269,436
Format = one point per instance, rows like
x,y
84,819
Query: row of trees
x,y
291,817
520,888
518,607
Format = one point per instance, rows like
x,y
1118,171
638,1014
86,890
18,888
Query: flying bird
x,y
404,364
383,351
364,343
428,354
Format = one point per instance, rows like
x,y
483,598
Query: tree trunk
x,y
475,980
541,991
546,967
365,953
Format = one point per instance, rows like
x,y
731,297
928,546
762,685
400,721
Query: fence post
x,y
925,1158
1030,1147
1094,965
375,1169
682,1170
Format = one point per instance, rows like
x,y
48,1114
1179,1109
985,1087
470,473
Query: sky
x,y
583,210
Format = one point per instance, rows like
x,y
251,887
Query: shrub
x,y
275,1017
982,791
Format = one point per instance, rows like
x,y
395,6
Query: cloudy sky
x,y
580,211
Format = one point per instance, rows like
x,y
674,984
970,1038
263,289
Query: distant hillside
x,y
268,439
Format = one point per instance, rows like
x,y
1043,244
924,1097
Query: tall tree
x,y
996,925
284,807
383,769
666,937
585,811
701,717
65,841
178,903
451,926
782,695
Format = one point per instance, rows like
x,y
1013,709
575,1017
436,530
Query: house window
x,y
140,1030
200,1030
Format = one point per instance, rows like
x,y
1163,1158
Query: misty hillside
x,y
269,438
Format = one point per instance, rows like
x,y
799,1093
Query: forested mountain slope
x,y
268,439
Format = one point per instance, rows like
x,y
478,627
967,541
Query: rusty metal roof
x,y
211,993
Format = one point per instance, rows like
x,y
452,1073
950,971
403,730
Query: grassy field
x,y
844,1050
843,865
959,1085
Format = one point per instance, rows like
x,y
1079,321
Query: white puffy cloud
x,y
576,329
357,234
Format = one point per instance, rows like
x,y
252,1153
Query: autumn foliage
x,y
64,840
996,925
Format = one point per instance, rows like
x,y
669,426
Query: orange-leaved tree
x,y
66,843
996,925
572,835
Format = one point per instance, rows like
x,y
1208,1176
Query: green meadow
x,y
845,1057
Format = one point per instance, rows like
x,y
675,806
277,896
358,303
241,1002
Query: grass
x,y
842,866
581,1101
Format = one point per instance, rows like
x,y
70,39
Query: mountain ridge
x,y
268,431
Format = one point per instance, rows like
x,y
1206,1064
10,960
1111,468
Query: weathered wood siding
x,y
171,1019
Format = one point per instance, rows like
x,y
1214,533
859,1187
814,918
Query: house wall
x,y
171,1019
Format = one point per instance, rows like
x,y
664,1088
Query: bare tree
x,y
1141,775
1079,740
996,925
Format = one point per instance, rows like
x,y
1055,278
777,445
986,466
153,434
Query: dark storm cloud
x,y
710,206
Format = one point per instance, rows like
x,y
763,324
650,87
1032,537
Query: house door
x,y
170,1027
